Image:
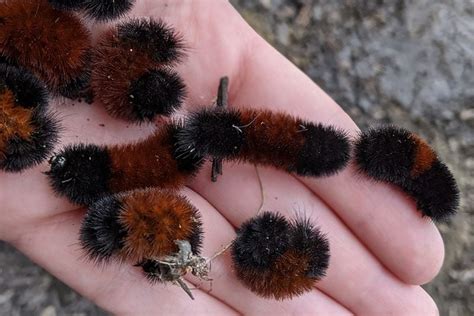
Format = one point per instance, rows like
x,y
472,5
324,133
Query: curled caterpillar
x,y
83,173
131,75
28,131
279,259
52,44
397,156
267,138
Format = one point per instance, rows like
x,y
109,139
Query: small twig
x,y
214,170
185,287
220,252
262,192
222,102
223,93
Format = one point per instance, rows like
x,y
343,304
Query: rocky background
x,y
410,63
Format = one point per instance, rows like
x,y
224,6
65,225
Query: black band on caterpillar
x,y
84,173
81,173
264,137
102,235
156,92
395,155
260,241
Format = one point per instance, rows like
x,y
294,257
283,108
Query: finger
x,y
354,278
25,197
217,234
409,245
119,289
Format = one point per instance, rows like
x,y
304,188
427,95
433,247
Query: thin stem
x,y
223,92
185,287
222,102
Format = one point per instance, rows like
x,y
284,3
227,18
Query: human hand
x,y
380,245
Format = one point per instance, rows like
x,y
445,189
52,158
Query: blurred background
x,y
410,63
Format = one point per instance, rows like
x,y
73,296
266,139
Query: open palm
x,y
381,248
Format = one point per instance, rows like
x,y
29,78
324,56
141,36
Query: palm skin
x,y
381,248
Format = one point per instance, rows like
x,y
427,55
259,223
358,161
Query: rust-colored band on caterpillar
x,y
286,278
425,156
152,162
15,121
278,138
154,220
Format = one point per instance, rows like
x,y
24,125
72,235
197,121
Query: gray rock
x,y
26,289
